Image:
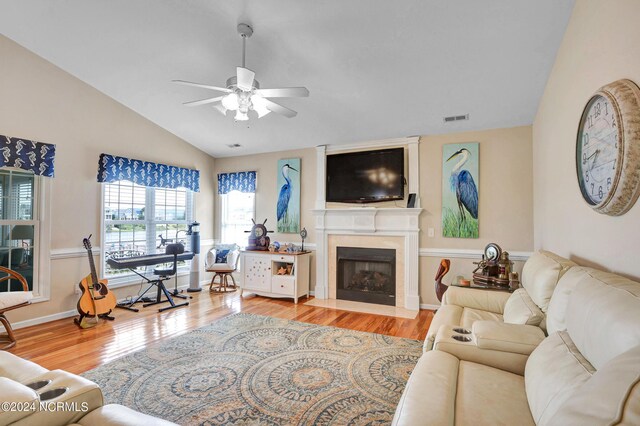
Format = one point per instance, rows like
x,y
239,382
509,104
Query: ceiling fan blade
x,y
284,92
245,78
204,86
279,109
203,101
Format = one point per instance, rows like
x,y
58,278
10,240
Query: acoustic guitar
x,y
96,299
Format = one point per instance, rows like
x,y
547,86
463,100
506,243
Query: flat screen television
x,y
366,177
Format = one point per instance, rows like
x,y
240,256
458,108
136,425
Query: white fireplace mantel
x,y
378,222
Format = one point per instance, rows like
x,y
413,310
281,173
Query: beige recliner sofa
x,y
29,396
586,372
527,305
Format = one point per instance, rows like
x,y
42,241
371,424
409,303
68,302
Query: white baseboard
x,y
42,320
429,306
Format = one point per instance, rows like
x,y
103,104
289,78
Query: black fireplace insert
x,y
366,275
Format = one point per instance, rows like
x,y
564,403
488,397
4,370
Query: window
x,y
19,226
237,210
139,220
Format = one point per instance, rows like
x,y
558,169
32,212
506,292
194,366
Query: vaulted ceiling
x,y
376,69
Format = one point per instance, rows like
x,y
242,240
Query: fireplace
x,y
366,275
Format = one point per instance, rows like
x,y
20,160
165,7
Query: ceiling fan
x,y
243,92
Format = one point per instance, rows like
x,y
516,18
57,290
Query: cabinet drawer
x,y
283,258
283,285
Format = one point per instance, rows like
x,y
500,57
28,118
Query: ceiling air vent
x,y
234,145
453,118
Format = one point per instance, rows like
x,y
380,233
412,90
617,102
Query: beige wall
x,y
505,209
505,191
42,102
267,192
601,45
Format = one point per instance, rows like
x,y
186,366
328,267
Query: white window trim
x,y
131,278
41,220
42,237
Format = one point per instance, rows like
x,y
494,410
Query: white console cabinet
x,y
275,274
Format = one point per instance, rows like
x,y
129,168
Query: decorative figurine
x,y
303,235
258,239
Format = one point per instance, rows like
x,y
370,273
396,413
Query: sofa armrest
x,y
462,344
429,398
21,401
486,300
515,338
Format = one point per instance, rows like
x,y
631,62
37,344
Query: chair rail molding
x,y
468,253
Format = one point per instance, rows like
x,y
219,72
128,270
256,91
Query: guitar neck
x,y
94,274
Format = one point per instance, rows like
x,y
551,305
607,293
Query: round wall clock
x,y
608,148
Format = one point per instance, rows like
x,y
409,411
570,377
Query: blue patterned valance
x,y
112,168
239,181
36,157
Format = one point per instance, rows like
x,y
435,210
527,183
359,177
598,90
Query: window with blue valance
x,y
238,181
24,154
112,168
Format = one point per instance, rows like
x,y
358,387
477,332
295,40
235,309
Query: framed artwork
x,y
288,207
460,173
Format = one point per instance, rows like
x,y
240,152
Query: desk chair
x,y
12,300
164,274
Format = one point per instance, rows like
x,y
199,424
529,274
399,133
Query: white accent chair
x,y
10,300
223,269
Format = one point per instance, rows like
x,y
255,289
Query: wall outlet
x,y
431,233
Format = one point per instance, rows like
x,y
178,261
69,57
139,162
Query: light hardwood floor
x,y
62,345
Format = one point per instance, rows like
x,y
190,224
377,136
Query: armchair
x,y
222,260
10,300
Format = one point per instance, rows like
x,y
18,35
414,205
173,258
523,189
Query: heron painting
x,y
288,208
460,190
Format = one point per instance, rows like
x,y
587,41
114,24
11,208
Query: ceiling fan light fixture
x,y
243,93
259,105
231,101
221,108
241,116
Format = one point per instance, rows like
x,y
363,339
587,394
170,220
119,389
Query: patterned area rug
x,y
247,369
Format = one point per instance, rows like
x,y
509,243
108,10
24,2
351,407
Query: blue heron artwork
x,y
460,190
288,208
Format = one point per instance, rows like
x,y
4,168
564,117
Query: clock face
x,y
598,150
492,251
258,231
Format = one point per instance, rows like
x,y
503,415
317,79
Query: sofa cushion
x,y
611,396
486,300
470,315
603,317
540,275
13,298
488,396
557,312
520,309
430,394
553,372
